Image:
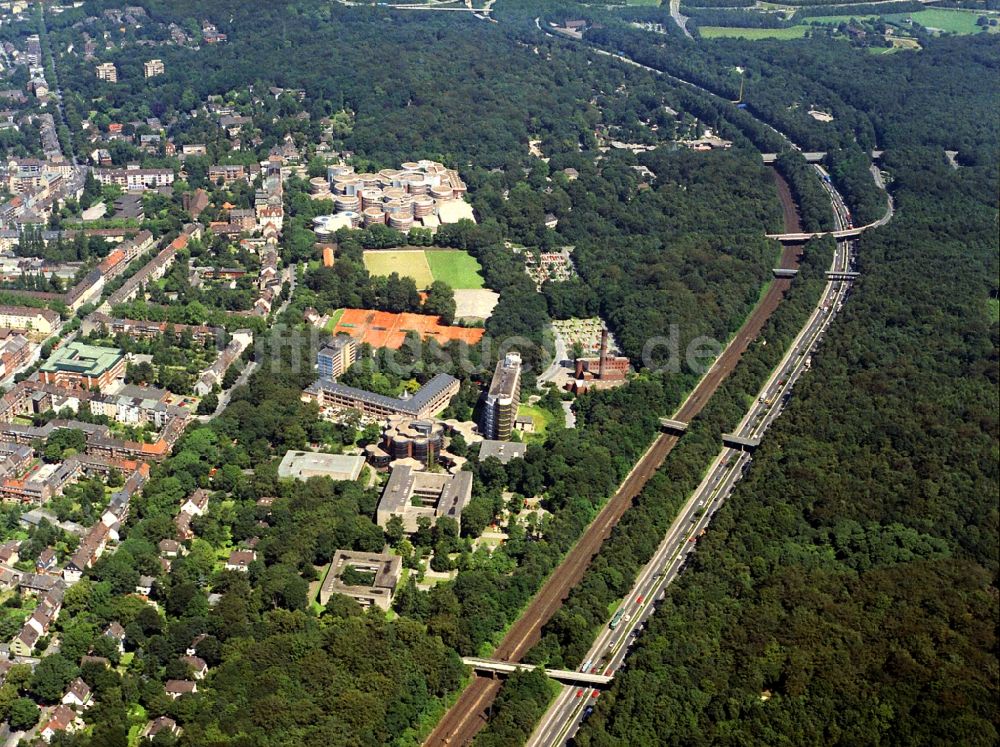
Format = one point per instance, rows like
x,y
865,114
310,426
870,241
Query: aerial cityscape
x,y
499,372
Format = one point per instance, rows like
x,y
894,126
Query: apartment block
x,y
107,71
153,68
502,399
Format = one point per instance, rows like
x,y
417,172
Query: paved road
x,y
54,87
560,357
290,273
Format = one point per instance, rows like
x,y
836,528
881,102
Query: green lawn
x,y
334,320
953,20
716,32
457,268
541,417
407,262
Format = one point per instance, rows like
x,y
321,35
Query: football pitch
x,y
411,263
458,269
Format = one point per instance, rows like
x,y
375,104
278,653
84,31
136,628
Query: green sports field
x,y
716,32
954,20
458,269
411,263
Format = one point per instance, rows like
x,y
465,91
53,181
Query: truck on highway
x,y
616,619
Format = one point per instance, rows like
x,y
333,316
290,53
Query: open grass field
x,y
718,32
457,268
408,262
954,20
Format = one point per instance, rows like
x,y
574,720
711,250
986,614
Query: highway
x,y
606,656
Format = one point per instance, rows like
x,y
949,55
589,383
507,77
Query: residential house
x,y
77,695
198,666
177,688
163,724
169,548
240,560
116,632
62,719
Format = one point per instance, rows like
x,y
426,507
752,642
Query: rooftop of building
x,y
301,465
385,567
502,450
410,405
506,377
78,357
446,494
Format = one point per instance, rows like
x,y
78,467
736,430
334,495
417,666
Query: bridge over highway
x,y
673,426
562,675
810,156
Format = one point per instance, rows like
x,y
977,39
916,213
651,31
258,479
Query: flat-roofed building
x,y
371,580
107,71
431,398
502,450
301,465
336,356
80,366
411,495
502,398
153,68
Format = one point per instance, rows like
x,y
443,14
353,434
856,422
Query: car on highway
x,y
579,693
638,599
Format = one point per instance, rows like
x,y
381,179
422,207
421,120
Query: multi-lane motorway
x,y
607,654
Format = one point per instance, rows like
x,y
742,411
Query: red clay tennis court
x,y
383,329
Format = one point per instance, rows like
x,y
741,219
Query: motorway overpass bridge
x,y
799,238
673,426
811,156
743,443
494,667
